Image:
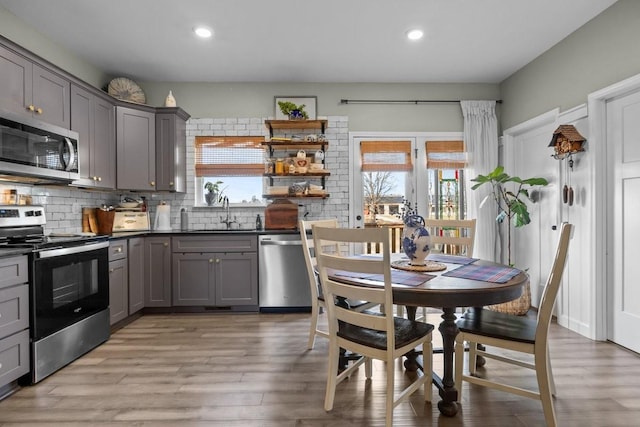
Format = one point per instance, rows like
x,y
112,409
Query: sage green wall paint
x,y
257,100
604,51
26,36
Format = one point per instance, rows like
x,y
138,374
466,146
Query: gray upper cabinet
x,y
136,149
31,90
171,149
93,117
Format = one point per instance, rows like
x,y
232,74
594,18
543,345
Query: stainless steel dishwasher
x,y
284,284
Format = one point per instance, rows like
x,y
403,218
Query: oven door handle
x,y
50,253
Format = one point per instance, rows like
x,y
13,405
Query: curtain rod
x,y
404,101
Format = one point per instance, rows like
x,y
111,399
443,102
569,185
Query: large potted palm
x,y
511,193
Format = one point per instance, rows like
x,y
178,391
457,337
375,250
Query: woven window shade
x,y
381,156
229,156
446,155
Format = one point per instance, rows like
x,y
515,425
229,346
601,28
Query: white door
x,y
385,190
533,246
623,141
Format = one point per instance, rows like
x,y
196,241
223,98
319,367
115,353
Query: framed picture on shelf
x,y
295,107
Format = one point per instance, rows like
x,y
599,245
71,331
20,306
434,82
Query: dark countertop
x,y
196,232
7,252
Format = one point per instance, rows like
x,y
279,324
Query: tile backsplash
x,y
63,204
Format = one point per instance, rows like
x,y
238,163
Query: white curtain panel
x,y
481,145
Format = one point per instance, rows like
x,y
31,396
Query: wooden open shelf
x,y
296,124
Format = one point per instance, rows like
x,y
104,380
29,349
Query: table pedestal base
x,y
446,387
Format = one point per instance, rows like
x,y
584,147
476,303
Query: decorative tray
x,y
428,266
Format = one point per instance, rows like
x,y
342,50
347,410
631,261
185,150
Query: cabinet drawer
x,y
118,250
14,357
226,243
14,309
13,271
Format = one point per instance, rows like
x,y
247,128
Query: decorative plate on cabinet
x,y
126,90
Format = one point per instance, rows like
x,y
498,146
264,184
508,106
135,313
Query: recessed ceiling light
x,y
203,32
414,34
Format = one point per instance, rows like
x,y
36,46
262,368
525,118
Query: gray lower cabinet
x,y
30,90
136,274
219,271
157,271
136,148
14,319
118,281
93,117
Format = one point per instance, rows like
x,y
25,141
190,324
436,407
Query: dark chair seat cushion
x,y
498,325
406,332
353,304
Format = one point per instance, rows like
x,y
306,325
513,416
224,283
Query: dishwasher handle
x,y
281,242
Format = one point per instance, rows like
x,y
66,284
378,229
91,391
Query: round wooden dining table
x,y
448,293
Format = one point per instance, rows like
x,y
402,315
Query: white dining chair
x,y
515,333
317,299
380,336
449,236
452,236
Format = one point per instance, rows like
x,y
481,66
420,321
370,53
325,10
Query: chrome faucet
x,y
228,221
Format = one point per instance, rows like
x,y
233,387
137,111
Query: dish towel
x,y
485,273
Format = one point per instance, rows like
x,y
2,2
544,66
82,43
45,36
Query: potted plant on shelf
x,y
214,194
293,111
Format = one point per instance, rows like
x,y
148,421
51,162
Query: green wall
x,y
604,51
257,100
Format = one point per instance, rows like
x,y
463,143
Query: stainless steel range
x,y
68,288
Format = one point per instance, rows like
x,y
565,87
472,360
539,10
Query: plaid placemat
x,y
451,259
399,277
486,273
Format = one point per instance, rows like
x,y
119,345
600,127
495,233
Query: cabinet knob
x,y
31,108
210,260
99,178
217,260
95,178
165,244
111,270
153,183
171,184
118,250
39,110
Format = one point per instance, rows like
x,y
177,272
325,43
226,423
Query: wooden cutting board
x,y
282,214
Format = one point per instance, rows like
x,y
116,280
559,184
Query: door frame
x,y
420,174
601,183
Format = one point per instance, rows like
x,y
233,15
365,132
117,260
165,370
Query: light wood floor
x,y
254,370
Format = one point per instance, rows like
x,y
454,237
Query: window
x,y
235,163
386,167
446,161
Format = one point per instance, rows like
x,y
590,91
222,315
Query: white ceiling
x,y
478,41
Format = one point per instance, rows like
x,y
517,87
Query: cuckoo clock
x,y
566,140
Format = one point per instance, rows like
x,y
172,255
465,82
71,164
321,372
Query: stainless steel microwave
x,y
35,152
